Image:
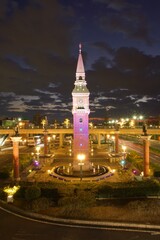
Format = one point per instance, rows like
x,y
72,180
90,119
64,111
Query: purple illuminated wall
x,y
81,140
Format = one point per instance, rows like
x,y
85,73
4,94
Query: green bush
x,y
156,173
4,174
74,205
20,193
25,161
136,160
51,193
151,206
3,195
32,193
40,204
79,200
129,189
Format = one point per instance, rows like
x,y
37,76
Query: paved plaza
x,y
48,165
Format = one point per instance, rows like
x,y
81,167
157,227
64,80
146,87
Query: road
x,y
14,227
155,158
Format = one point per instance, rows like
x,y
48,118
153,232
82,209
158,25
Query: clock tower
x,y
80,111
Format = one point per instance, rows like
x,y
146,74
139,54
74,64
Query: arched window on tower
x,y
80,78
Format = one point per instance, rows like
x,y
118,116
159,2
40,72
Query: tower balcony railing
x,y
80,107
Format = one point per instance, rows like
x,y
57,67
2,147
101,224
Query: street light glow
x,y
38,149
124,148
81,157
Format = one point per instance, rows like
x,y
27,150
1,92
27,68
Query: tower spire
x,y
80,47
80,72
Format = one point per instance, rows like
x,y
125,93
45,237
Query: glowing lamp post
x,y
38,152
54,137
81,158
124,150
49,139
123,161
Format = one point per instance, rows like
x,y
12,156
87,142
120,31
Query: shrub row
x,y
35,191
132,189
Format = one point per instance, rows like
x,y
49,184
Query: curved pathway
x,y
15,226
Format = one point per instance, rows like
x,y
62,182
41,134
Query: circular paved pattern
x,y
63,173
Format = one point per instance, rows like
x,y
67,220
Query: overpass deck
x,y
127,131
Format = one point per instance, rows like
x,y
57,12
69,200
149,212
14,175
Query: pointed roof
x,y
80,72
80,83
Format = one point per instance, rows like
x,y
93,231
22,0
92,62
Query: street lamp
x,y
124,150
38,152
81,158
54,137
49,139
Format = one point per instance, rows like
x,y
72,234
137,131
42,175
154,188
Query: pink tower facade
x,y
80,111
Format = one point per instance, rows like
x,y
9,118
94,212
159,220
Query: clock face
x,y
80,100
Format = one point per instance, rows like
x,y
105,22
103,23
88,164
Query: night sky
x,y
39,42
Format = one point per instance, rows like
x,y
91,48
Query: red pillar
x,y
116,142
15,141
146,154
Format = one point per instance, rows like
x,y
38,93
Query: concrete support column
x,y
146,155
116,142
60,139
15,141
45,142
99,139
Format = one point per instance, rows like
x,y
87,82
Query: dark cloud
x,y
132,59
104,46
35,45
131,69
117,4
126,18
129,27
36,28
38,57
